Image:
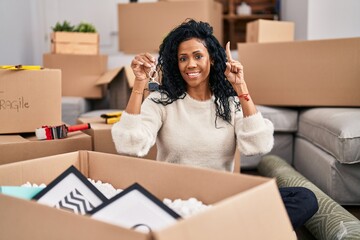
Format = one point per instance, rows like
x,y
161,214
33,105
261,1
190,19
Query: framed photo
x,y
71,191
136,208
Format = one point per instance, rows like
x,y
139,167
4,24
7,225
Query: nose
x,y
192,63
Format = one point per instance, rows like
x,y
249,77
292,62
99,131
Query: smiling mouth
x,y
193,75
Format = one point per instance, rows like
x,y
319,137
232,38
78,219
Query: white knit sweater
x,y
185,132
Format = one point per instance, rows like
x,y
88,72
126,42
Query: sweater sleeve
x,y
135,134
255,134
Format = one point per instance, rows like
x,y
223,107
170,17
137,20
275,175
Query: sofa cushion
x,y
334,130
283,147
284,119
334,178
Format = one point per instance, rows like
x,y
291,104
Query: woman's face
x,y
194,63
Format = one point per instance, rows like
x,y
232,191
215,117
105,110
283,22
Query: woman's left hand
x,y
234,71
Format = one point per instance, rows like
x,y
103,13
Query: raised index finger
x,y
228,52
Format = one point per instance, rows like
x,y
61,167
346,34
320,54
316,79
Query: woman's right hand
x,y
141,65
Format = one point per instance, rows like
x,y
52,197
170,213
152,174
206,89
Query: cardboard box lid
x,y
110,75
239,201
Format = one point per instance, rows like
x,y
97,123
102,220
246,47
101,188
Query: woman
x,y
202,110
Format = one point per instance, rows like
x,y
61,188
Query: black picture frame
x,y
71,184
111,212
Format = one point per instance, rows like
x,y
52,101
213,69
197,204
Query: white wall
x,y
334,19
25,24
16,31
296,11
322,19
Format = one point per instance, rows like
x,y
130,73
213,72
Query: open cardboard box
x,y
15,148
244,207
303,73
87,76
29,99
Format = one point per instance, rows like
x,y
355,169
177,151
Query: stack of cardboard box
x,y
283,72
30,99
84,71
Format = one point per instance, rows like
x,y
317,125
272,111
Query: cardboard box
x,y
29,99
87,76
262,31
100,133
303,73
143,26
243,206
75,43
15,148
79,73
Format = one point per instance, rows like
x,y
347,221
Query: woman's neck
x,y
202,95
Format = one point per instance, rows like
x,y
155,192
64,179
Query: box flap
x,y
39,221
40,170
108,76
245,213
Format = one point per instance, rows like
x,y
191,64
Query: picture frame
x,y
136,208
71,191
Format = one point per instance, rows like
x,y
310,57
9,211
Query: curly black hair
x,y
173,86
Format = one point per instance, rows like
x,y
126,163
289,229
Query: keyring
x,y
152,74
153,84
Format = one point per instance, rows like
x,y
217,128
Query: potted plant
x,y
70,39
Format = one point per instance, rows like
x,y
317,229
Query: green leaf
x,y
63,27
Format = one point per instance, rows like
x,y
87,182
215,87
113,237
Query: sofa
x,y
322,144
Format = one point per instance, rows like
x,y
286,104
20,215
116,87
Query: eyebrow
x,y
197,51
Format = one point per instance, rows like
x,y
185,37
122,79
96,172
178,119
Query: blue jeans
x,y
300,203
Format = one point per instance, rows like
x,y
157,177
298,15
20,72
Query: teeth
x,y
193,74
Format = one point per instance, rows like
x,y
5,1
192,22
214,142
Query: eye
x,y
198,56
182,59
